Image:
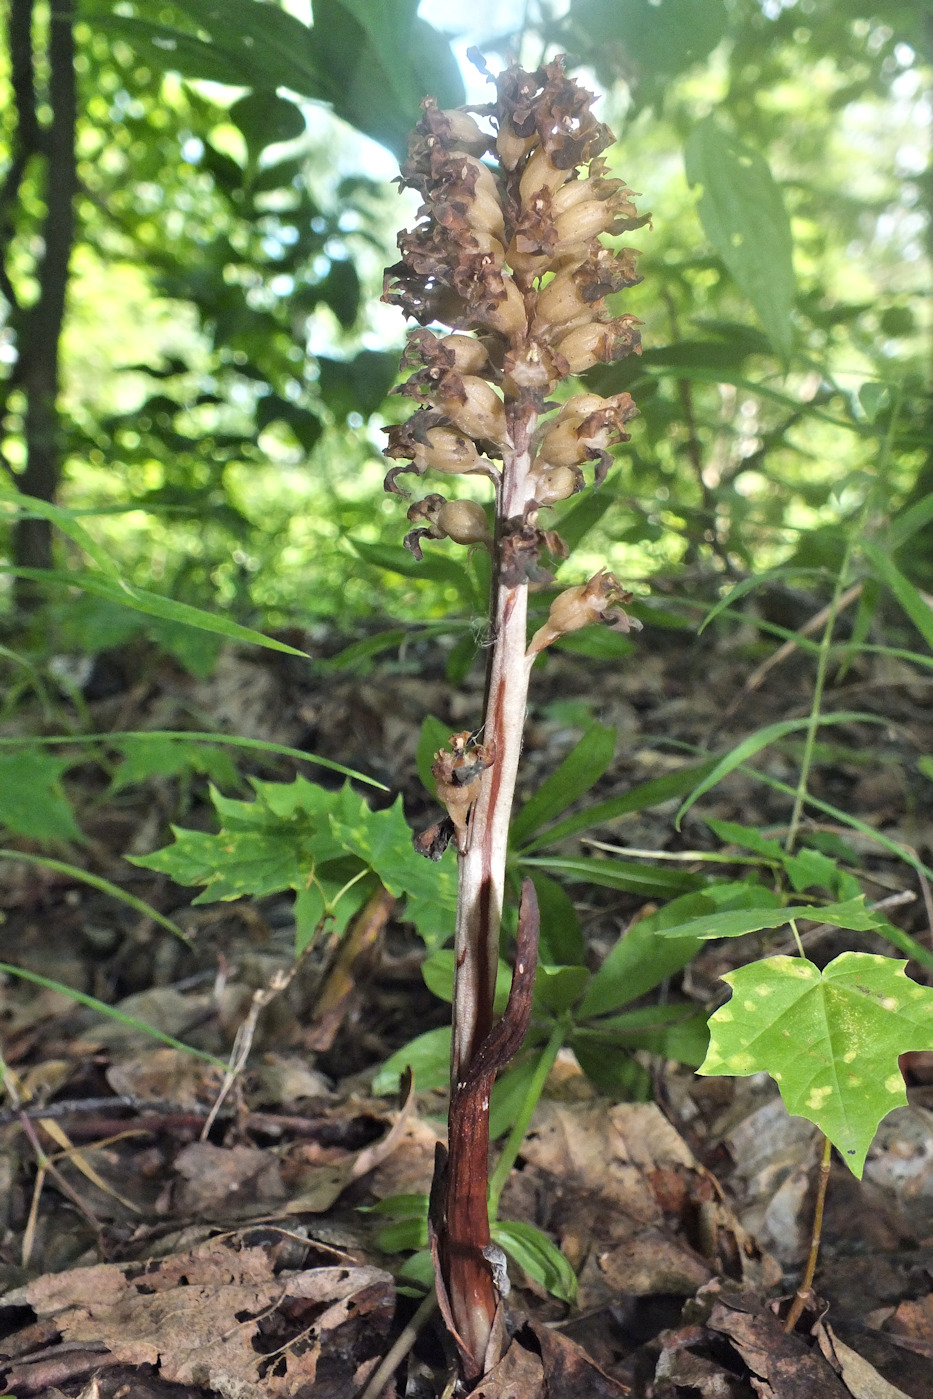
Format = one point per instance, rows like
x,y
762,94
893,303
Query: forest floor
x,y
146,1251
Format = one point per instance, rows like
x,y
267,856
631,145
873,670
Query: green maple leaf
x,y
830,1039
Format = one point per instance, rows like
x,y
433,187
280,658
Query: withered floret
x,y
599,600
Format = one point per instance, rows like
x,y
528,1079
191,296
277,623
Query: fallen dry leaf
x,y
858,1375
783,1365
217,1316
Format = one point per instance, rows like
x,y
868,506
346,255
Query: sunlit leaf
x,y
734,923
428,1057
154,604
745,219
917,609
830,1039
640,798
582,768
763,738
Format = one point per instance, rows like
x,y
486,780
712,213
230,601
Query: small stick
x,y
400,1348
803,1291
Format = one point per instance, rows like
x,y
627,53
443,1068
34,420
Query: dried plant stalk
x,y
506,256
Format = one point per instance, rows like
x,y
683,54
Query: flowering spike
x,y
506,279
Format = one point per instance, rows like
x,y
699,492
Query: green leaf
x,y
874,398
736,922
97,881
265,118
911,520
612,1070
830,1039
808,869
657,37
586,512
640,959
763,738
418,1269
509,1094
650,880
540,1258
674,1031
434,736
640,798
405,1206
383,840
110,1012
428,1057
26,506
919,611
381,59
557,988
270,46
578,773
230,865
561,939
437,567
743,214
403,1234
731,833
598,643
154,604
32,802
260,745
171,50
155,755
438,973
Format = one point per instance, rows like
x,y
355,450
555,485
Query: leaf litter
x,y
242,1265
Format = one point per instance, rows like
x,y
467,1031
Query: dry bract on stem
x,y
507,280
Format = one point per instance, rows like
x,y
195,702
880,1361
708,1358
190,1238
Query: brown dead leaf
x,y
217,1316
518,1375
783,1365
913,1319
633,1207
227,1182
646,1265
858,1375
569,1372
168,1075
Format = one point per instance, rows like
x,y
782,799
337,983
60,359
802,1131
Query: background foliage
x,y
197,371
225,361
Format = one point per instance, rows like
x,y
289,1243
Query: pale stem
x,y
479,914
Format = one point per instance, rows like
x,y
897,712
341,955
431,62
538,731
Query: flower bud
x,y
432,447
599,600
464,521
532,366
560,303
554,483
510,147
463,133
473,406
504,310
599,343
541,173
585,221
585,427
466,353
